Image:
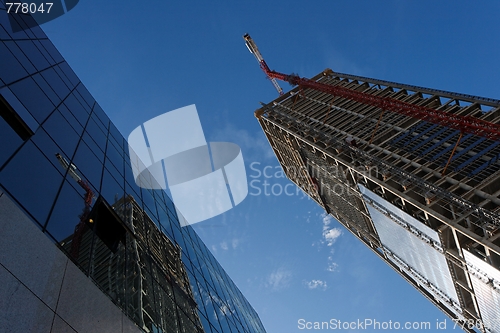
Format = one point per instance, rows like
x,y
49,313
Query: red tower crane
x,y
89,195
255,51
465,124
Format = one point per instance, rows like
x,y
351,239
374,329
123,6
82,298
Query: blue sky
x,y
292,262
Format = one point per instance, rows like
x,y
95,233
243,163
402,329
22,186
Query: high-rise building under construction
x,y
412,172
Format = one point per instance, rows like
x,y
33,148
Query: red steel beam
x,y
465,124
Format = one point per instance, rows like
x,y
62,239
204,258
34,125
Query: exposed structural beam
x,y
465,124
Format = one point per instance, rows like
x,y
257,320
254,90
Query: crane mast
x,y
465,124
252,47
89,195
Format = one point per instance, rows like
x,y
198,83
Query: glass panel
x,y
26,117
96,134
38,32
76,109
188,249
44,52
25,22
112,190
89,166
70,119
94,147
116,135
35,56
149,202
8,21
48,147
56,83
69,73
165,223
66,214
3,34
63,76
178,237
10,68
10,141
62,133
205,323
114,171
46,89
25,62
32,180
103,118
47,44
33,98
99,123
82,101
171,208
115,158
84,93
133,191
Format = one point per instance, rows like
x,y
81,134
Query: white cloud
x,y
316,284
330,235
224,246
235,242
332,266
279,279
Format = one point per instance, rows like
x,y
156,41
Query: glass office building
x,y
82,247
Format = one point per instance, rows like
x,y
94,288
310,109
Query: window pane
x,y
84,93
88,165
103,118
46,89
33,180
112,190
67,211
10,141
76,109
96,134
69,73
114,157
56,83
70,118
93,147
10,67
52,50
35,56
33,98
63,76
62,133
149,202
12,46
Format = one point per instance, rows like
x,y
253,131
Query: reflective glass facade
x,y
65,164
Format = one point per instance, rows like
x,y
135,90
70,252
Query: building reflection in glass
x,y
132,261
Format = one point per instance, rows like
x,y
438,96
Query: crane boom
x,y
89,195
252,47
465,124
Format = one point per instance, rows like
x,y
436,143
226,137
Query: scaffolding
x,y
328,144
